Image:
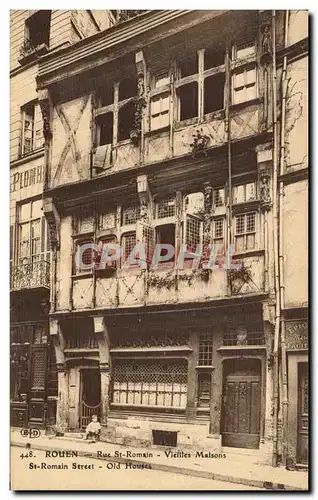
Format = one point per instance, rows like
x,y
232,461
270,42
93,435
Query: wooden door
x,y
90,396
241,410
302,444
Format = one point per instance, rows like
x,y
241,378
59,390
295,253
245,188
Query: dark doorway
x,y
302,442
90,395
241,403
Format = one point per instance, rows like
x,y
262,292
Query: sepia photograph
x,y
159,250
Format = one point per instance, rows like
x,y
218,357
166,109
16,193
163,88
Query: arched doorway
x,y
241,405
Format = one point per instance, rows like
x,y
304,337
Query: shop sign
x,y
296,333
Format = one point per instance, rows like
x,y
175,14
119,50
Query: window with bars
x,y
130,214
33,240
218,197
166,208
128,242
244,85
244,327
85,222
105,245
244,192
205,349
218,231
106,220
84,257
245,232
192,233
150,383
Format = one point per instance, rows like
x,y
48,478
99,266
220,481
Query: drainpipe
x,y
229,152
281,248
275,239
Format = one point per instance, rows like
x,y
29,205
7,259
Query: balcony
x,y
30,275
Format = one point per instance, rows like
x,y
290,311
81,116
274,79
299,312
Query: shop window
x,y
150,383
127,88
188,99
218,197
213,57
159,111
166,208
188,67
244,85
38,28
244,192
130,214
214,93
32,128
125,121
245,232
128,243
104,129
84,257
205,349
166,235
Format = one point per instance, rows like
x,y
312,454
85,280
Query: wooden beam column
x,y
104,365
62,377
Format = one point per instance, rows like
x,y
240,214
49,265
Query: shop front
x,y
297,432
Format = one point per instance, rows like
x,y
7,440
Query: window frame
x,y
44,255
79,242
246,233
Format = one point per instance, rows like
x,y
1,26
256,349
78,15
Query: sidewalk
x,y
220,469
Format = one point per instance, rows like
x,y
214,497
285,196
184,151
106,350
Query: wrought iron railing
x,y
251,338
30,275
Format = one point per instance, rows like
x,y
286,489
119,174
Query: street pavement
x,y
101,475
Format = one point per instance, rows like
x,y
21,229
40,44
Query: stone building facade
x,y
181,128
33,388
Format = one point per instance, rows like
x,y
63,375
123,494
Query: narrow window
x,y
27,129
192,233
159,111
166,208
188,67
128,242
166,235
105,129
125,121
127,88
214,93
218,197
130,214
205,349
245,232
244,85
83,258
213,57
188,96
38,28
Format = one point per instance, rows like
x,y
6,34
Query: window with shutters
x,y
32,128
33,241
159,111
150,383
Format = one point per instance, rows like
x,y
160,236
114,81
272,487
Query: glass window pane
x,y
239,80
239,194
250,242
239,243
251,93
239,96
24,240
162,79
240,224
37,209
250,191
251,76
155,106
25,212
245,50
165,103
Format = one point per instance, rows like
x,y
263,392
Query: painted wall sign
x,y
31,177
296,335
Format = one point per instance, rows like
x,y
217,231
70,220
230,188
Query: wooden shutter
x,y
38,127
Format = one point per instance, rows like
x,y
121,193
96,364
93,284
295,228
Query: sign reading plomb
x,y
296,335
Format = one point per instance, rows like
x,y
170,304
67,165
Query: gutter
x,y
281,249
275,245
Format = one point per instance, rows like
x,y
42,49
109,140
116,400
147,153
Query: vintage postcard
x,y
158,204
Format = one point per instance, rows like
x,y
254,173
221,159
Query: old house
x,y
179,128
33,388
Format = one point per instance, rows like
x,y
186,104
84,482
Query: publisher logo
x,y
31,433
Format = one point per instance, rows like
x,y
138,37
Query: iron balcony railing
x,y
30,275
